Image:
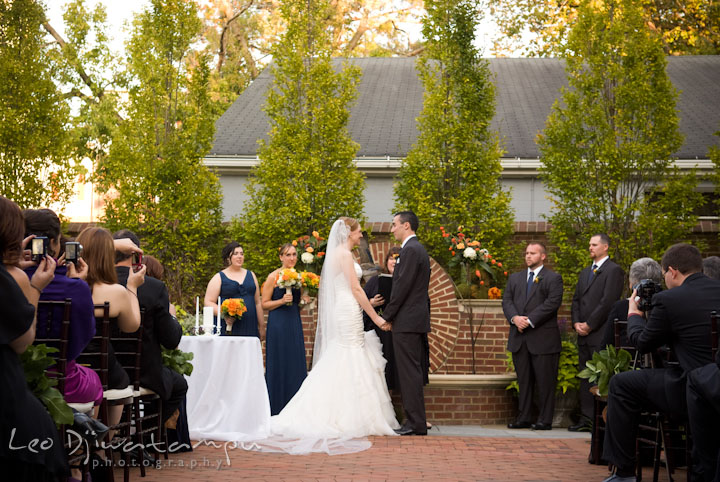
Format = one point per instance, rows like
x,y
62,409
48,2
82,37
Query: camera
x,y
73,250
645,290
136,261
39,247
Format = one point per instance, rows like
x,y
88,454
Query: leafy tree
x,y
687,27
35,165
306,177
608,143
451,176
153,179
242,35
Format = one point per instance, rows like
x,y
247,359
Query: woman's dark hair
x,y
42,222
284,248
391,252
99,254
12,228
228,250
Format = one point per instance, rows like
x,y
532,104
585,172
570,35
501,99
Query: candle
x,y
219,315
208,318
197,315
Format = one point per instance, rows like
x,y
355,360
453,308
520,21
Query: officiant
x,y
378,289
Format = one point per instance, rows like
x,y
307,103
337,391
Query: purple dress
x,y
82,384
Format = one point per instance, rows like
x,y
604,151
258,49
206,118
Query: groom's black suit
x,y
409,313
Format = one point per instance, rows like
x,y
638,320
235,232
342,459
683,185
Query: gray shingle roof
x,y
389,100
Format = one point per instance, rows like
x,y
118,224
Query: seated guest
x,y
99,254
643,268
23,419
237,282
160,328
703,399
82,383
711,267
680,318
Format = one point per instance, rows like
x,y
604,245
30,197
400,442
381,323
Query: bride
x,y
345,395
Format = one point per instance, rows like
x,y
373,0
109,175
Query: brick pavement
x,y
442,458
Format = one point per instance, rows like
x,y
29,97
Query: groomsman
x,y
530,304
599,287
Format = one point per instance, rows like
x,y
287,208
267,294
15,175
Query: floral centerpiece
x,y
289,278
479,271
233,308
310,282
311,249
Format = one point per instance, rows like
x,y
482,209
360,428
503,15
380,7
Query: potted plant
x,y
604,365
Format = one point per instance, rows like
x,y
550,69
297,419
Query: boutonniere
x,y
537,279
596,271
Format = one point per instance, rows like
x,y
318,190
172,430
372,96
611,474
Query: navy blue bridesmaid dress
x,y
286,367
248,324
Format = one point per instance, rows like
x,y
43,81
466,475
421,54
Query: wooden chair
x,y
128,351
97,357
48,311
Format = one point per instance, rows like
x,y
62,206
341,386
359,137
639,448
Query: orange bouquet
x,y
233,307
289,278
311,282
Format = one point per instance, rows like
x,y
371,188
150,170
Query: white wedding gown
x,y
345,395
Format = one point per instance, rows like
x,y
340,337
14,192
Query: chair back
x,y
714,333
95,354
128,350
48,312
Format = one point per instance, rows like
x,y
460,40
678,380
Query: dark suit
x,y
159,328
536,350
680,318
409,313
703,400
592,301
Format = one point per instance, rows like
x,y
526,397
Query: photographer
x,y
680,318
642,270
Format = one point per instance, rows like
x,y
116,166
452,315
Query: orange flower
x,y
461,235
294,243
505,273
494,293
493,261
316,234
461,246
499,265
309,249
321,253
452,252
482,283
477,273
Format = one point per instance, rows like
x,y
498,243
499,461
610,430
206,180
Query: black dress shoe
x,y
404,430
580,427
519,425
541,426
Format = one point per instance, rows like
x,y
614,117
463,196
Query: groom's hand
x,y
387,326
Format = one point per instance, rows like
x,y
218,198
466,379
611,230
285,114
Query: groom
x,y
409,313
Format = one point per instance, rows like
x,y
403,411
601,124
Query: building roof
x,y
390,96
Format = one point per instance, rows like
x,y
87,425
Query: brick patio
x,y
450,458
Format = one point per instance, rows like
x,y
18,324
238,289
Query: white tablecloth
x,y
227,397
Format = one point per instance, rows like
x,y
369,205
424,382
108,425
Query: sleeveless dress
x,y
23,419
285,363
345,395
229,288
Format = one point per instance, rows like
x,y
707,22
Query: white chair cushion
x,y
117,394
142,392
85,407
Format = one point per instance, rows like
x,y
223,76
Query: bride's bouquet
x,y
233,307
289,278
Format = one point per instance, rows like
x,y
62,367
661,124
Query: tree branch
x,y
221,48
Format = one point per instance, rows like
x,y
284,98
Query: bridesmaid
x,y
237,282
286,367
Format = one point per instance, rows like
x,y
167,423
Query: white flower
x,y
307,258
484,253
470,253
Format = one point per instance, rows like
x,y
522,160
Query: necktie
x,y
529,284
592,273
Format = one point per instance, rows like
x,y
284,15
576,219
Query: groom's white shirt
x,y
406,240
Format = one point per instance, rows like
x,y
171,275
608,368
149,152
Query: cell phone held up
x,y
136,261
39,248
73,251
